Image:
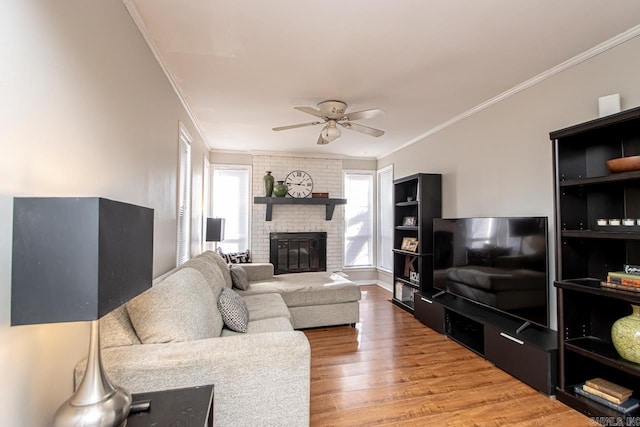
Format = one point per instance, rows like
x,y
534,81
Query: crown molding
x,y
572,62
286,154
133,12
226,151
358,158
293,154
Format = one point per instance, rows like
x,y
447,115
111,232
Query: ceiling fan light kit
x,y
334,113
331,132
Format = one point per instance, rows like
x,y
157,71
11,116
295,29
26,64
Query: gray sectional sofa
x,y
173,335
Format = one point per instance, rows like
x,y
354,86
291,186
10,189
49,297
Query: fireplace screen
x,y
298,252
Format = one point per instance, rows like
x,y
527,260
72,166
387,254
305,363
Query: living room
x,y
88,111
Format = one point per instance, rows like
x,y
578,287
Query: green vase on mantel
x,y
268,184
280,189
625,334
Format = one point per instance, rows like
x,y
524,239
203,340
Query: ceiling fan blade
x,y
301,125
364,114
363,129
322,141
309,110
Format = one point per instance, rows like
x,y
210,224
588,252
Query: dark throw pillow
x,y
236,257
239,277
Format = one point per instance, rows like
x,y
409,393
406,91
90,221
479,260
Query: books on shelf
x,y
623,278
621,287
609,388
603,394
629,406
626,280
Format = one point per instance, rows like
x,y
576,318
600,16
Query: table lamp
x,y
77,259
215,230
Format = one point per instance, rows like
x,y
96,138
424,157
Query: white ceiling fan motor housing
x,y
332,109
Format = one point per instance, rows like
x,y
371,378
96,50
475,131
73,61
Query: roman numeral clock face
x,y
299,183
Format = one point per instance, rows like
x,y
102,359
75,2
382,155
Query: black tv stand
x,y
526,351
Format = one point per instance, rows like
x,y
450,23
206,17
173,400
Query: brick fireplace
x,y
327,177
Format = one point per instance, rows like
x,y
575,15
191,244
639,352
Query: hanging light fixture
x,y
331,132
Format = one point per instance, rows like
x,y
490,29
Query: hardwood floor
x,y
392,370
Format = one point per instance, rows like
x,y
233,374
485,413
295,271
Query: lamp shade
x,y
215,230
77,259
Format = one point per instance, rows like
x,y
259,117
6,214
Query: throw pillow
x,y
209,270
179,308
236,257
239,277
233,310
216,259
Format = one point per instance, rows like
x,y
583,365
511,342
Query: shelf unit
x,y
417,196
584,192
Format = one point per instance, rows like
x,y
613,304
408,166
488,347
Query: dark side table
x,y
191,406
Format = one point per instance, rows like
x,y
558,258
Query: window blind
x,y
184,199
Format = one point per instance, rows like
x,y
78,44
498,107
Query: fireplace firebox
x,y
298,252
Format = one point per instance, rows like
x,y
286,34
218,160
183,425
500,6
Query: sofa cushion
x,y
275,324
258,271
266,306
304,289
116,329
210,270
222,265
180,308
233,310
239,277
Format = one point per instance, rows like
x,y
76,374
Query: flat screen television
x,y
498,262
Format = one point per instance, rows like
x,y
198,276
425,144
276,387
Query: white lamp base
x,y
96,402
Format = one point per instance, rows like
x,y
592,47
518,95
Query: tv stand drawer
x,y
428,312
511,353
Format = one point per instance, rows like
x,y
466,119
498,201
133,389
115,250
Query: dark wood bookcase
x,y
417,200
586,191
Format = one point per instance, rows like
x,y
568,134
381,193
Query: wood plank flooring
x,y
392,370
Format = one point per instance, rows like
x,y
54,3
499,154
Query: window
x,y
358,234
206,201
385,219
184,197
231,201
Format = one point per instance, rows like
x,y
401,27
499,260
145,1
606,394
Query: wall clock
x,y
299,184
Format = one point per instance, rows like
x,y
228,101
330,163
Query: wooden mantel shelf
x,y
270,201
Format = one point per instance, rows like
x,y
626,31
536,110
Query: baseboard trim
x,y
380,283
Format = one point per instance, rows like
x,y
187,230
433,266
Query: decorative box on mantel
x,y
270,201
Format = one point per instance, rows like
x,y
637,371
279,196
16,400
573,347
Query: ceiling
x,y
243,65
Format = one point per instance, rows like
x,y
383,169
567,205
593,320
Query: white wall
x,y
499,161
85,111
230,158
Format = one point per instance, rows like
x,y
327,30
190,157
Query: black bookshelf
x,y
585,252
417,200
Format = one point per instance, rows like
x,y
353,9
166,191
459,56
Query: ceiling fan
x,y
333,113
